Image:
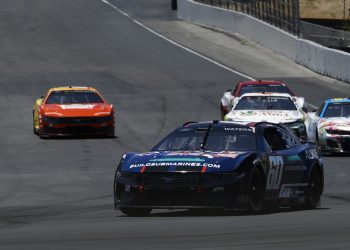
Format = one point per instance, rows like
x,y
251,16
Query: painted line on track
x,y
184,47
175,43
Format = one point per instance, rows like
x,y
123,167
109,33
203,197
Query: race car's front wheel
x,y
256,191
136,211
314,190
35,131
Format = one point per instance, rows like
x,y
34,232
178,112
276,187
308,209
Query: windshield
x,y
72,97
260,88
265,103
231,139
337,110
218,139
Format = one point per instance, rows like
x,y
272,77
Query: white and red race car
x,y
260,86
268,107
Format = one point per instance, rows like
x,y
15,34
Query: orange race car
x,y
72,111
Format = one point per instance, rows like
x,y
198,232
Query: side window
x,y
319,111
274,139
289,139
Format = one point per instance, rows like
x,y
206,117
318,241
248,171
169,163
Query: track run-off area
x,y
159,72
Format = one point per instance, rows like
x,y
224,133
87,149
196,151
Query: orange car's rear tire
x,y
42,135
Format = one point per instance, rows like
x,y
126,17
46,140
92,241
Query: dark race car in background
x,y
221,165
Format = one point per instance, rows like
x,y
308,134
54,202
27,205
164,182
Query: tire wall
x,y
322,60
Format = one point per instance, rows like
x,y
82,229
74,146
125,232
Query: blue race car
x,y
221,165
329,126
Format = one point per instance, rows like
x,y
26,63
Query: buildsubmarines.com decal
x,y
182,164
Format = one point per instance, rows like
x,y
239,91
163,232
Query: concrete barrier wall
x,y
322,60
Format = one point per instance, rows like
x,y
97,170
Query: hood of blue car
x,y
170,161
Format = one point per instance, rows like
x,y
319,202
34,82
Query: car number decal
x,y
274,176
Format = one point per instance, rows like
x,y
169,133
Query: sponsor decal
x,y
218,189
290,190
340,123
147,154
287,192
248,113
208,155
265,113
178,159
175,163
294,158
274,176
239,129
77,106
311,154
167,180
221,155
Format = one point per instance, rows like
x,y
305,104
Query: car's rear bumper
x,y
76,130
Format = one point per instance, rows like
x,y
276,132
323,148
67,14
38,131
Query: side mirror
x,y
314,110
42,97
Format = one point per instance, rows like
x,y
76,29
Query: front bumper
x,y
187,190
334,143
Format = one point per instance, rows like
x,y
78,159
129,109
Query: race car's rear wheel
x,y
136,211
42,135
256,191
314,190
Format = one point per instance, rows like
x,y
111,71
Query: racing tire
x,y
314,190
256,191
136,212
111,134
35,131
41,135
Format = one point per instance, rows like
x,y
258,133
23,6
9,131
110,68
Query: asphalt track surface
x,y
57,193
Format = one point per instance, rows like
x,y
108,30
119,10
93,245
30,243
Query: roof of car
x,y
335,100
72,88
262,82
205,124
266,94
